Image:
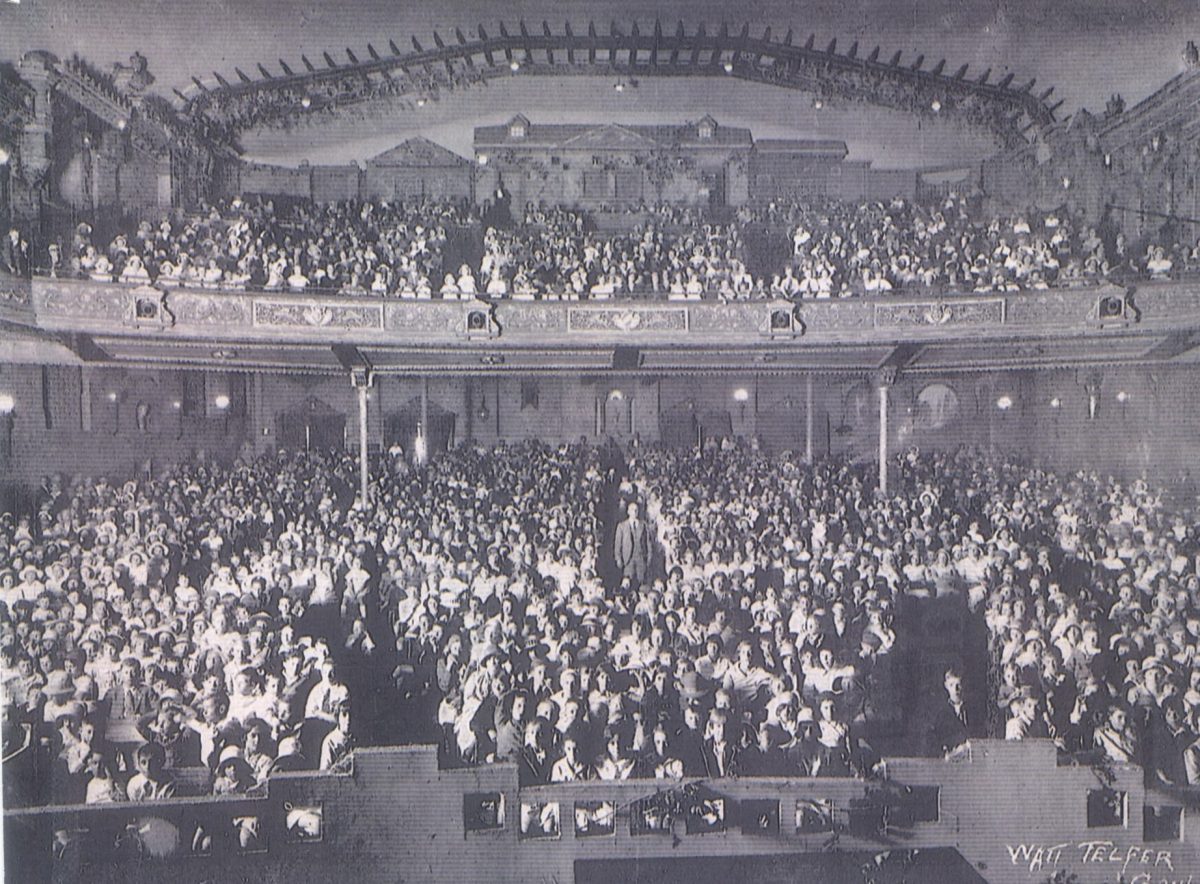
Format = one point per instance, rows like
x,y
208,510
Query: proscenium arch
x,y
629,51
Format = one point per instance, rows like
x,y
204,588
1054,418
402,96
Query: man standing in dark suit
x,y
633,547
15,255
950,725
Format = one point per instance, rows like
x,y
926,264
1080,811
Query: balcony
x,y
1152,321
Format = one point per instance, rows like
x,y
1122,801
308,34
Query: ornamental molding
x,y
14,290
96,301
270,313
426,317
941,313
627,319
192,308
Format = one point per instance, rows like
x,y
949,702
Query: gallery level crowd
x,y
399,250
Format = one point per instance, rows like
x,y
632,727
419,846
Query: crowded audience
x,y
872,248
382,249
553,258
836,250
195,631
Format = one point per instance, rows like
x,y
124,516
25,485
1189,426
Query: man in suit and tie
x,y
633,547
14,258
951,725
720,752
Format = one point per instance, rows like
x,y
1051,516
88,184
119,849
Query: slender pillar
x,y
362,444
808,419
425,406
85,399
424,434
883,438
468,410
262,426
884,380
361,380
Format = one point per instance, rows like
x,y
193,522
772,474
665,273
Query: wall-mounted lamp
x,y
1056,402
1004,403
116,410
221,401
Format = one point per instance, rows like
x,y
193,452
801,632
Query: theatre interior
x,y
617,450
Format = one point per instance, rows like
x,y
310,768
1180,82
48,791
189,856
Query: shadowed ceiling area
x,y
1086,49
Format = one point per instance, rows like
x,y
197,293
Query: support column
x,y
468,410
423,435
362,379
85,399
258,407
883,438
884,380
362,444
425,404
808,419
